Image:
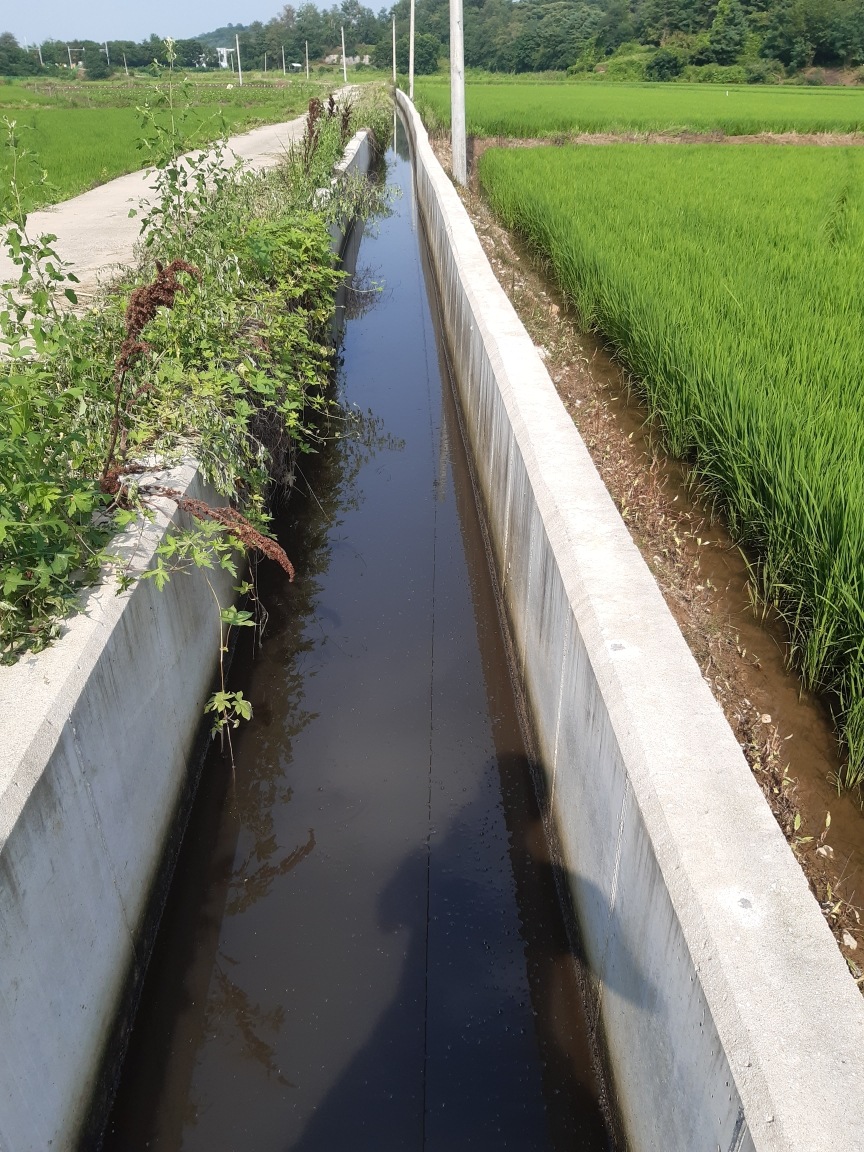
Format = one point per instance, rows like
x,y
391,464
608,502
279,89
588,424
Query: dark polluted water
x,y
363,948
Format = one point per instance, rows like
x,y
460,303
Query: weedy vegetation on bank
x,y
216,345
530,110
728,279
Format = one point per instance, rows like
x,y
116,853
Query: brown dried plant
x,y
312,135
234,523
140,310
345,122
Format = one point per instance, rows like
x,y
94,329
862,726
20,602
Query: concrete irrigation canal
x,y
492,872
364,947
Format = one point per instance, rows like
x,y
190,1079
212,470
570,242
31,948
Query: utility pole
x,y
265,63
283,59
344,66
411,51
125,65
239,65
69,50
457,93
107,55
307,61
394,51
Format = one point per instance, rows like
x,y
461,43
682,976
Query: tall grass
x,y
548,109
730,281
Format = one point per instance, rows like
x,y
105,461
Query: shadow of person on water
x,y
480,1047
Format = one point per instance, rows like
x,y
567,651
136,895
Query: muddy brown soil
x,y
787,735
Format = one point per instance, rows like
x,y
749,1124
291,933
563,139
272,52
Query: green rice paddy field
x,y
729,279
86,134
527,110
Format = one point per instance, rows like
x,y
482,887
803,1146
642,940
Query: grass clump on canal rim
x,y
729,281
523,109
215,346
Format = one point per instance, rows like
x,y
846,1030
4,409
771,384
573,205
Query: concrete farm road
x,y
94,231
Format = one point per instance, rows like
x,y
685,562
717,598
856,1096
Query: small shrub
x,y
666,64
761,72
628,63
716,74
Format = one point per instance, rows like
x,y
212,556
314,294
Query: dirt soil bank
x,y
786,734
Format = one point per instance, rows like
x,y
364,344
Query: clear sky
x,y
37,20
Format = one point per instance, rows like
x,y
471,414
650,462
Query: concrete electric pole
x,y
411,55
457,93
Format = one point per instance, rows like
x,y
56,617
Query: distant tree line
x,y
18,60
654,39
535,35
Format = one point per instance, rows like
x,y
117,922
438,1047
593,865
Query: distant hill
x,y
221,37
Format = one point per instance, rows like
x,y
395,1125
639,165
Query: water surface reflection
x,y
363,949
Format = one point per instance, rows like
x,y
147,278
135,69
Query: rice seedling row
x,y
729,280
530,110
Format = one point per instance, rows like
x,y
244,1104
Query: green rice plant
x,y
83,144
79,147
16,96
549,109
729,281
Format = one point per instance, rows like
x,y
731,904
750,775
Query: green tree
x,y
487,34
382,57
564,31
616,25
658,19
848,34
96,67
426,51
728,32
665,64
784,28
310,27
190,53
14,61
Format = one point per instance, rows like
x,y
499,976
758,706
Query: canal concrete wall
x,y
356,159
725,1011
98,732
100,750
